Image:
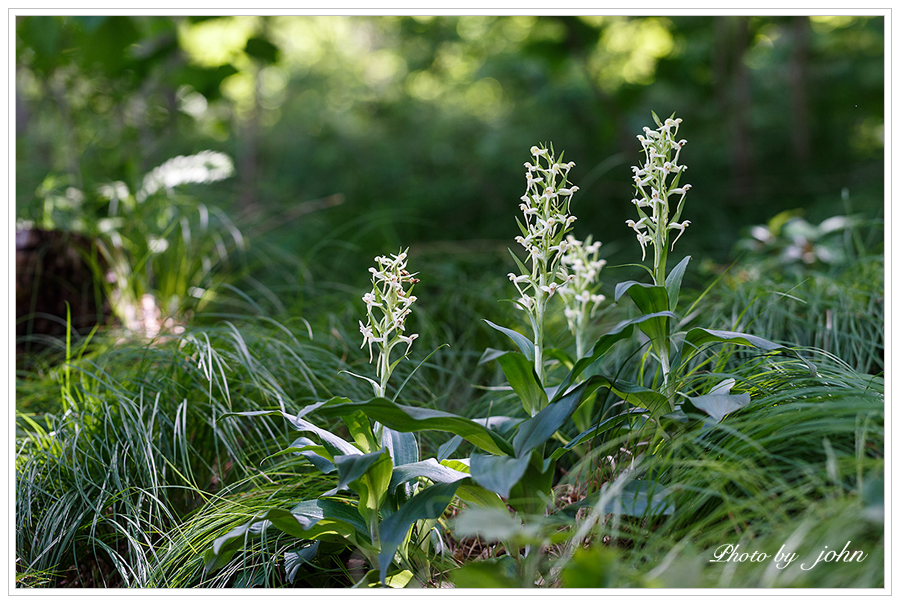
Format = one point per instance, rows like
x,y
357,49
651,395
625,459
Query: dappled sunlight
x,y
217,41
217,388
629,50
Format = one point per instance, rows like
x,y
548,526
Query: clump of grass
x,y
803,464
282,484
144,439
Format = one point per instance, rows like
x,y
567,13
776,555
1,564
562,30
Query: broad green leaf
x,y
673,282
620,332
393,531
699,336
401,445
396,580
717,406
317,510
295,558
429,469
412,419
353,467
494,573
361,430
651,300
325,519
479,496
637,498
533,492
332,441
591,568
494,525
502,424
497,473
678,415
519,372
372,484
648,298
308,449
524,344
536,431
638,395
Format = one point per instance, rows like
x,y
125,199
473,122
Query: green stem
x,y
579,343
539,308
384,371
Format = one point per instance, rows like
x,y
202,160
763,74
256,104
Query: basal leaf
x,y
332,441
428,503
429,469
402,446
314,519
497,473
638,498
306,448
536,431
316,510
295,558
353,467
699,336
360,429
411,419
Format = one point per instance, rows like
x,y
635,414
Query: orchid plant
x,y
659,202
396,497
392,301
546,220
513,464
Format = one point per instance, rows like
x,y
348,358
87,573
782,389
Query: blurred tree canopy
x,y
423,123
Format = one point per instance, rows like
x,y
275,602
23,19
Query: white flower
x,y
675,226
643,240
370,301
408,340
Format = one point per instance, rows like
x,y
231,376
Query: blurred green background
x,y
358,135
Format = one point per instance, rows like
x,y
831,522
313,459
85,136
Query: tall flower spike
x,y
393,300
544,223
579,294
659,211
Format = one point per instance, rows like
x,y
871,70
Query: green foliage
x,y
626,464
